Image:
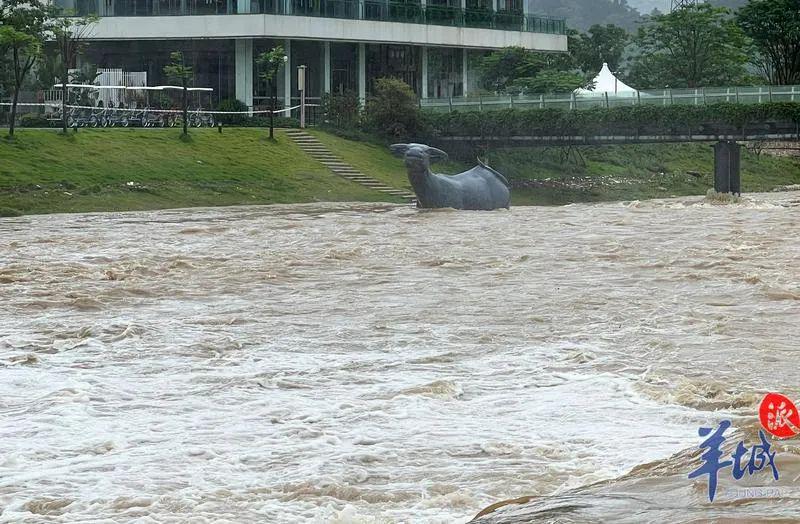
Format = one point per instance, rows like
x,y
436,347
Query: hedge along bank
x,y
618,120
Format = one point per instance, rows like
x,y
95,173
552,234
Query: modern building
x,y
433,45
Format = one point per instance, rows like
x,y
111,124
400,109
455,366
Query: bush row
x,y
557,122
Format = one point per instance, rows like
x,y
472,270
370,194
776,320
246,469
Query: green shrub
x,y
393,110
341,110
644,119
231,104
33,120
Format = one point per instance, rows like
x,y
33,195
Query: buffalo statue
x,y
480,188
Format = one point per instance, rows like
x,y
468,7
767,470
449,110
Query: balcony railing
x,y
385,11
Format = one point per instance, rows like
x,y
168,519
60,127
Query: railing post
x,y
607,104
770,93
704,96
450,103
541,101
792,94
737,94
480,102
638,98
572,101
671,99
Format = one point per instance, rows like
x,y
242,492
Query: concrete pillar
x,y
362,73
326,68
287,77
242,6
424,90
244,71
465,59
727,164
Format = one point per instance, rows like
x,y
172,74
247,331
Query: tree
x,y
70,35
690,47
601,44
23,26
774,27
519,70
271,62
178,70
393,109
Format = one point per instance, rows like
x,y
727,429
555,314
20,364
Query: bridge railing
x,y
663,97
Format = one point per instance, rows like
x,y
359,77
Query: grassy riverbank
x,y
634,172
132,169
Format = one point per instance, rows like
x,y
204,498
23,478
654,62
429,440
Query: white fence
x,y
572,101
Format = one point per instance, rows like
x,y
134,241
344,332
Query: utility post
x,y
301,85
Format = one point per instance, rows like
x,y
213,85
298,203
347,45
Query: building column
x,y
242,6
464,61
287,77
362,73
424,90
243,68
326,78
525,8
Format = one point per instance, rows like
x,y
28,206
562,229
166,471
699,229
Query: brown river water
x,y
354,363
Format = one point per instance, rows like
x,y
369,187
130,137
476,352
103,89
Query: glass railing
x,y
409,11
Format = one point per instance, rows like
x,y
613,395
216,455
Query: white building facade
x,y
346,45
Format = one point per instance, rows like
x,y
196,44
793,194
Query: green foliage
x,y
774,27
231,104
601,44
341,110
23,29
393,110
177,68
691,47
622,120
271,62
550,82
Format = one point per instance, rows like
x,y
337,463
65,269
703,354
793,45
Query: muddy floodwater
x,y
353,363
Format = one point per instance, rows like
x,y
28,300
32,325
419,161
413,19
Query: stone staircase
x,y
318,151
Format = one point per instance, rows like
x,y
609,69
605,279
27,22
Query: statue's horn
x,y
437,154
398,149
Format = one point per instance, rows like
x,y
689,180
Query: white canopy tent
x,y
606,82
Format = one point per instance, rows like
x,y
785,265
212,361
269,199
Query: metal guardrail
x,y
410,11
572,101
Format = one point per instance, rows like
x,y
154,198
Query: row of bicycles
x,y
146,117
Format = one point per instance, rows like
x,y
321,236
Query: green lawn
x,y
42,171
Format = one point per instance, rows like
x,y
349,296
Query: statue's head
x,y
418,157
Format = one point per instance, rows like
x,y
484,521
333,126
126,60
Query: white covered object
x,y
606,82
